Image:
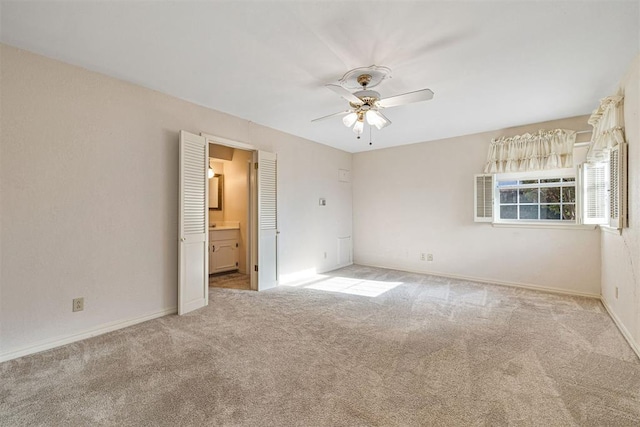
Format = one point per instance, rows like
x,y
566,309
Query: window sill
x,y
555,226
611,230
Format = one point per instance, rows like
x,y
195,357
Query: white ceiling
x,y
491,64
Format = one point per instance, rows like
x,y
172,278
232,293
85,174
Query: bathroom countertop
x,y
224,227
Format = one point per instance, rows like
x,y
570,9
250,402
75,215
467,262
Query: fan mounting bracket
x,y
364,77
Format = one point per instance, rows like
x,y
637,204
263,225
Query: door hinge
x,y
255,268
255,165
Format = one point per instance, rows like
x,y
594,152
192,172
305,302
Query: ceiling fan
x,y
365,104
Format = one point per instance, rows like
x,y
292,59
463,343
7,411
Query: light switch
x,y
323,202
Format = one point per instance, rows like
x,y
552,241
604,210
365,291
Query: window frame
x,y
531,175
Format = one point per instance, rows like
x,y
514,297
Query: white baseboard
x,y
493,281
68,339
335,267
625,332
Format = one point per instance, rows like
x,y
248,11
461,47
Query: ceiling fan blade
x,y
386,122
341,113
406,98
345,94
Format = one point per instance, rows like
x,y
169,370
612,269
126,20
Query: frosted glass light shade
x,y
376,119
358,127
349,119
210,172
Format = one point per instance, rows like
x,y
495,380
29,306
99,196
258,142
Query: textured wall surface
x,y
89,185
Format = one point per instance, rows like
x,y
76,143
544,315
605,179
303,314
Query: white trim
x,y
212,139
492,281
611,230
625,333
335,267
540,174
48,344
552,225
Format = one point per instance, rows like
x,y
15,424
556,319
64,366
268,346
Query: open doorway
x,y
229,202
258,245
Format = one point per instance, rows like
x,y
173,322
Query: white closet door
x,y
193,277
267,220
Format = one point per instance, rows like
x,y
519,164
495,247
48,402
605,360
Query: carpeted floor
x,y
358,347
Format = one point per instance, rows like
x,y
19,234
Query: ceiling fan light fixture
x,y
349,119
358,128
366,103
375,119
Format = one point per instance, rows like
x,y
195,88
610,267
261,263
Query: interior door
x,y
193,254
267,255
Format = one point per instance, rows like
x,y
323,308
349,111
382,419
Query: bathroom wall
x,y
236,198
216,215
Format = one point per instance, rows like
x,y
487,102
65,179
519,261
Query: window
x,y
595,195
536,199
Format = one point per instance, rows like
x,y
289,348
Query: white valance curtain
x,y
608,127
545,149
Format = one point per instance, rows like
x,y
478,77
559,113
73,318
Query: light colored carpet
x,y
427,351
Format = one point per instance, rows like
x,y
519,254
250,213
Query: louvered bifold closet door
x,y
193,257
268,194
267,177
483,198
594,193
618,186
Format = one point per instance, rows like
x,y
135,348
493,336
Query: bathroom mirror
x,y
216,187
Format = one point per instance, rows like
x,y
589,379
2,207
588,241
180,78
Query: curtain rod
x,y
583,131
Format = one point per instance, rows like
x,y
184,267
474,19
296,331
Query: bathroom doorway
x,y
229,217
258,224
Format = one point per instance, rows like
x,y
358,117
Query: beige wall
x,y
89,185
88,191
621,253
419,198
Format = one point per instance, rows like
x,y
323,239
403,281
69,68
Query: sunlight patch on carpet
x,y
309,279
343,285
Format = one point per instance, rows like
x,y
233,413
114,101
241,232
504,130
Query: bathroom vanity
x,y
224,248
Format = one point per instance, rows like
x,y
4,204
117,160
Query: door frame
x,y
252,214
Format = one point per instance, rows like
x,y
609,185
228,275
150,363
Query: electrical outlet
x,y
616,292
325,255
430,257
422,256
78,304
